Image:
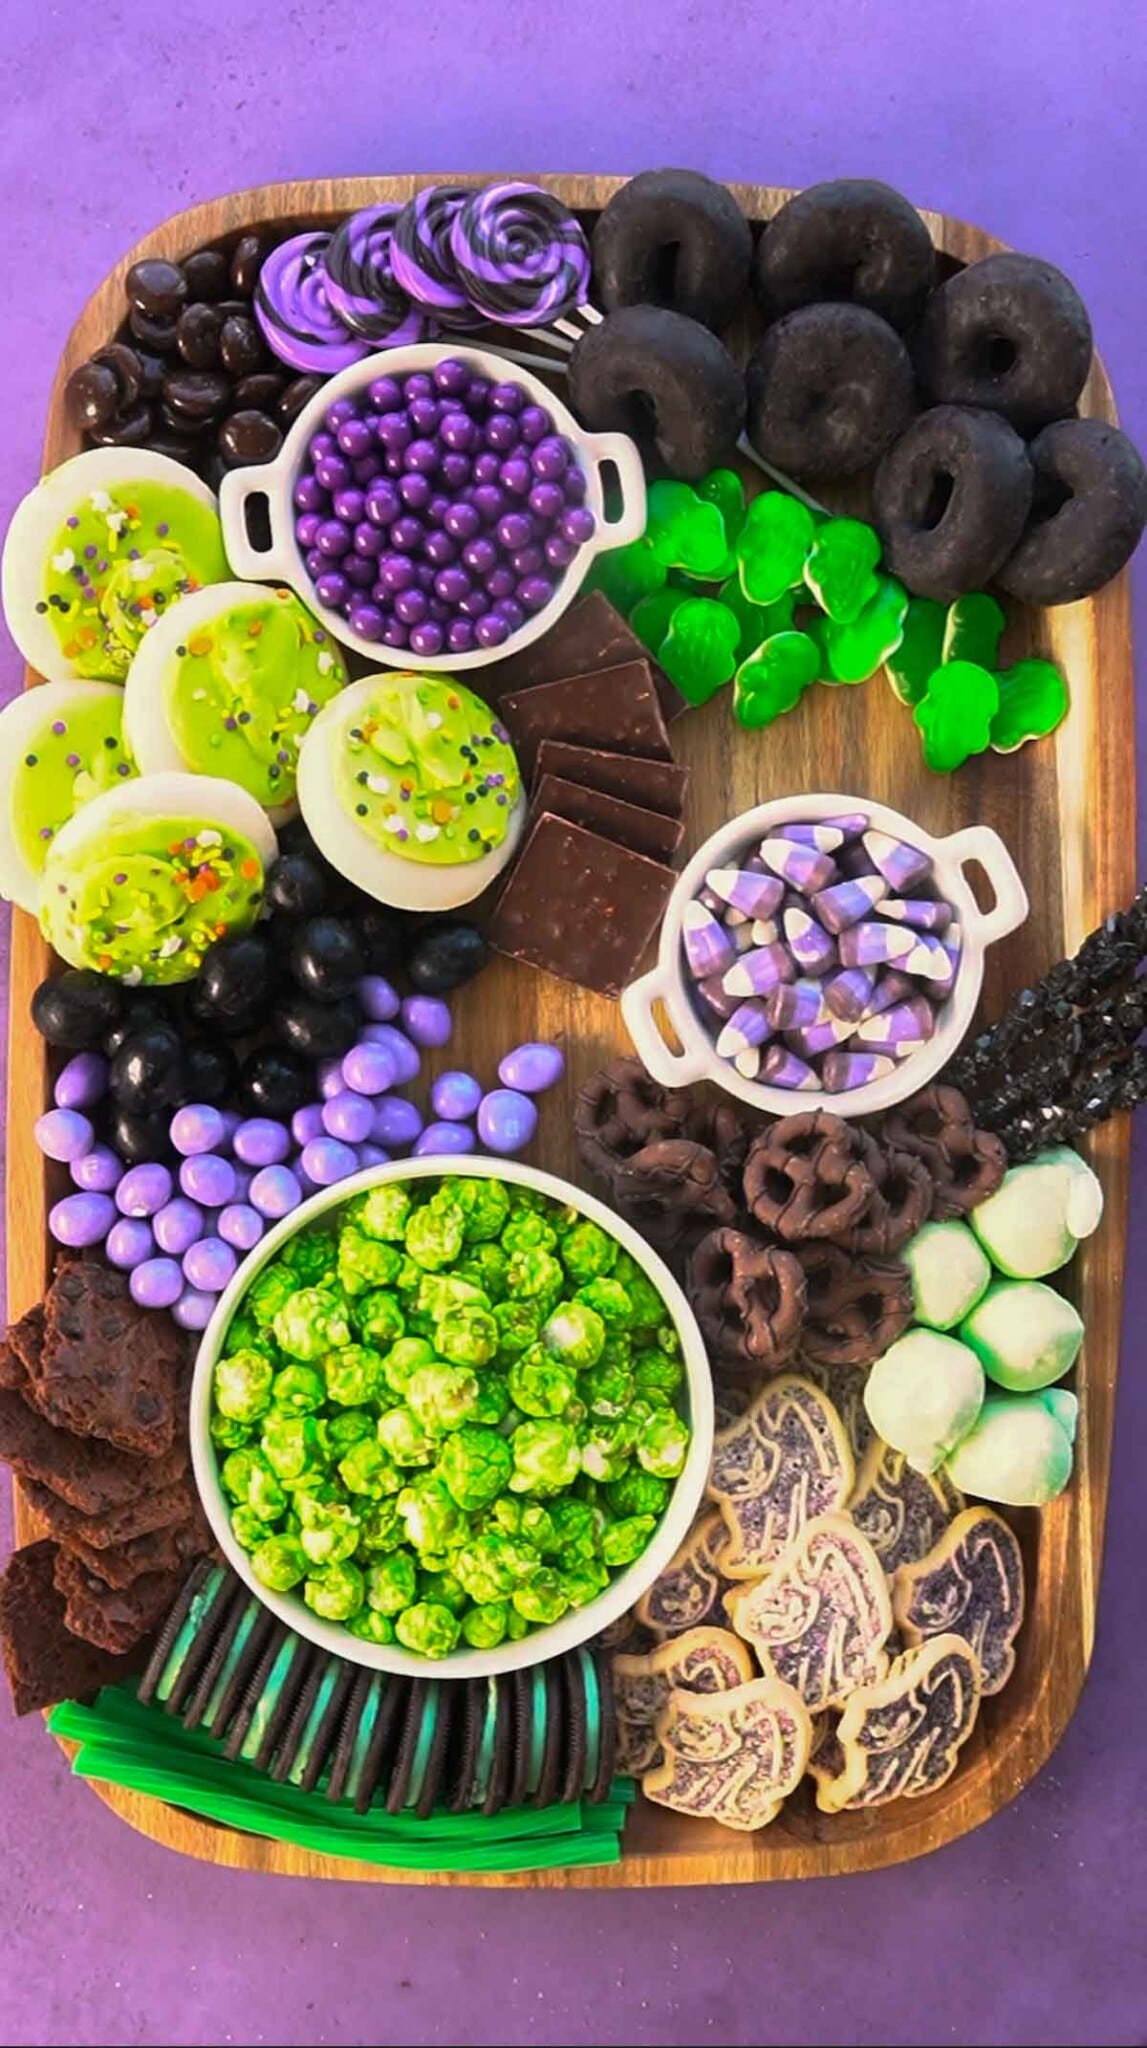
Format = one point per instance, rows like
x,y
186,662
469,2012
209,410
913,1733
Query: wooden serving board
x,y
1066,809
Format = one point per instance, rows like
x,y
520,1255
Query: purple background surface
x,y
1023,118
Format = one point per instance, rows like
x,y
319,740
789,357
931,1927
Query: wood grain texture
x,y
1066,809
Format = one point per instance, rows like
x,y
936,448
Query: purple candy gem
x,y
157,1283
198,1127
99,1171
81,1082
371,1155
326,1160
368,1069
129,1243
378,1000
262,1141
406,1056
193,1310
178,1225
507,1120
207,1178
307,1123
82,1220
349,1117
275,1190
426,1020
532,1068
209,1265
455,1096
445,1137
240,1226
63,1134
143,1190
397,1121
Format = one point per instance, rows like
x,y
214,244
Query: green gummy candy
x,y
973,630
650,619
685,531
921,649
1034,699
774,678
841,568
1024,1334
699,652
1019,1452
955,714
628,574
724,489
853,652
772,546
950,1272
756,622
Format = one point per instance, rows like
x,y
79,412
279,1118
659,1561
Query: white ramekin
x,y
668,982
274,483
581,1623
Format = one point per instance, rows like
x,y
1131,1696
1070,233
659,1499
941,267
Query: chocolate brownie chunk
x,y
42,1661
107,1368
114,1621
160,1550
88,1474
25,1340
118,1525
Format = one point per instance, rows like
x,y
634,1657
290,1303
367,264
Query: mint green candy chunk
x,y
685,532
950,1272
973,630
724,489
1038,1214
651,619
1034,699
773,545
841,568
774,679
852,652
1019,1453
921,649
699,652
955,715
923,1396
627,574
1024,1334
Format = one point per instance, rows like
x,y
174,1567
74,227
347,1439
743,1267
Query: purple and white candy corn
x,y
900,1029
781,1068
813,949
764,931
873,945
928,957
802,867
951,944
708,946
848,902
742,889
891,987
756,973
824,838
795,1005
850,824
818,1038
849,993
715,996
902,866
919,912
841,1071
748,1025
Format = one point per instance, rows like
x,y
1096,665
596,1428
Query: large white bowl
x,y
581,1623
274,482
668,982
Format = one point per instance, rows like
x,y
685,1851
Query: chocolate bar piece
x,y
592,635
655,785
580,907
88,1474
647,832
42,1662
615,708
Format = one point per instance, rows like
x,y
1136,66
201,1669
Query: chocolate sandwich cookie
x,y
271,1692
496,1754
419,1739
469,1719
314,1725
257,1627
576,1728
530,1721
228,1644
185,1641
348,1735
370,1771
553,1750
601,1748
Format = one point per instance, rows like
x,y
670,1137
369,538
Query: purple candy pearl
x,y
261,1141
487,467
63,1134
385,394
327,1160
443,1137
534,423
427,1020
532,1068
81,1082
209,1265
193,1310
450,376
396,1121
310,495
178,1225
82,1220
275,1190
372,1155
378,1000
459,636
551,458
427,638
307,1123
368,1069
350,505
240,1226
349,1116
455,1096
156,1283
99,1171
129,1243
197,1128
306,527
208,1179
407,1061
143,1190
507,1120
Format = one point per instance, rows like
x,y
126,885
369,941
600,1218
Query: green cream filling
x,y
426,771
70,760
122,557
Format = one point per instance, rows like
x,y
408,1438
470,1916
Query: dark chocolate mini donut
x,y
829,388
664,379
850,239
1088,512
950,499
677,239
1010,334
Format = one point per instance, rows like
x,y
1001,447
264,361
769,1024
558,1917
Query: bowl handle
x,y
672,1069
236,490
980,843
619,450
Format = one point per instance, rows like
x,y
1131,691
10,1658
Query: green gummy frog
x,y
973,630
628,574
773,545
724,489
955,714
757,622
853,652
1034,699
652,617
774,679
921,649
699,652
841,568
686,532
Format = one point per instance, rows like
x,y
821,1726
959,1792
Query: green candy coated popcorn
x,y
652,618
265,1496
647,1309
773,545
527,1519
493,1403
973,630
485,1205
627,574
610,1300
841,568
582,1583
852,653
543,1600
606,1449
467,1335
433,1236
352,1375
607,1389
347,1428
279,1562
485,1627
248,1528
724,489
657,1377
336,1593
921,649
537,1277
685,531
329,1530
401,1434
292,1445
402,1360
519,1326
367,1470
1034,699
382,1529
384,1212
229,1435
576,1529
546,1457
312,1320
242,1386
638,1493
378,1318
442,1397
431,1519
955,715
662,1444
370,1627
365,1261
625,1540
312,1258
539,1384
392,1583
485,1269
575,1333
490,1566
474,1465
268,1292
245,1334
429,1628
774,679
299,1389
699,652
587,1251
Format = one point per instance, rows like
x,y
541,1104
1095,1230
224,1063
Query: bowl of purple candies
x,y
822,952
436,505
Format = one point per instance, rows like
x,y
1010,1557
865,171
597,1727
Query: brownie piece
x,y
12,1373
580,907
136,1517
655,785
43,1662
26,1338
616,708
107,1368
112,1619
593,634
160,1550
647,832
82,1470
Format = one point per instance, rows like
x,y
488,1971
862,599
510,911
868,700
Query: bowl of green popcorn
x,y
457,1417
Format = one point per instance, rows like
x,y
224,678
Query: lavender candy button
x,y
156,1283
349,1117
445,1137
427,1020
198,1127
368,1069
209,1265
377,998
99,1171
507,1120
748,1025
262,1141
63,1134
532,1068
847,902
208,1179
849,993
745,891
178,1225
307,1123
841,1071
795,1005
194,1309
81,1082
921,913
143,1190
756,973
407,1058
455,1096
129,1243
241,1226
327,1160
902,866
810,945
708,947
396,1121
275,1191
82,1220
781,1068
801,866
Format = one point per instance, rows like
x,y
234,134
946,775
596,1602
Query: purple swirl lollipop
x,y
520,255
421,256
361,286
292,309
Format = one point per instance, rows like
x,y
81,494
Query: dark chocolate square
x,y
580,907
647,832
655,785
615,708
593,634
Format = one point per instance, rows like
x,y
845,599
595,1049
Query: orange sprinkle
x,y
255,628
71,649
199,643
87,636
453,703
441,811
219,930
249,870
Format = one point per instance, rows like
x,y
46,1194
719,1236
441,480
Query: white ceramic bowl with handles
x,y
668,982
580,1623
274,482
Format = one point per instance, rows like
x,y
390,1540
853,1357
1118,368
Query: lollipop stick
x,y
552,365
548,335
746,448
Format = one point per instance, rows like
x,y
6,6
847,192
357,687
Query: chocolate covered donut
x,y
1088,512
665,380
950,499
829,388
1009,334
850,239
673,238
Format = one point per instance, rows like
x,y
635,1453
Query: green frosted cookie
x,y
1039,1213
1020,1451
949,1273
1024,1334
924,1395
